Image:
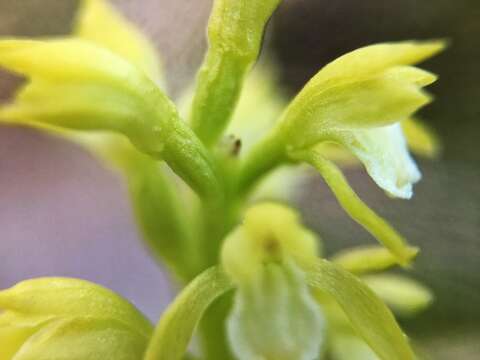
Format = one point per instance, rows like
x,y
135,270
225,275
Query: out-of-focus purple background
x,y
62,213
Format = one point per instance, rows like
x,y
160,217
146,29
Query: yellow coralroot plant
x,y
210,179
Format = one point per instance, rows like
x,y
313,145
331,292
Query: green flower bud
x,y
235,32
60,318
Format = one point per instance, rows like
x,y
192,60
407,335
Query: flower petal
x,y
377,58
83,338
384,153
15,329
365,259
357,209
72,297
99,22
275,316
420,138
403,295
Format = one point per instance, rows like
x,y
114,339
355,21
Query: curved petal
x,y
99,22
357,209
83,338
15,329
65,297
370,317
176,326
365,259
377,58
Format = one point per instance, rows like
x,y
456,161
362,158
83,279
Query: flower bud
x,y
60,318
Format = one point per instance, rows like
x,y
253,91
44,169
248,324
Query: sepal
x,y
69,319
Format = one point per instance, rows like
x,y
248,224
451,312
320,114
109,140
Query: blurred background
x,y
63,214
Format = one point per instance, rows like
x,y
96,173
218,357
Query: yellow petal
x,y
99,22
405,296
365,259
377,58
358,210
83,338
15,329
420,138
71,297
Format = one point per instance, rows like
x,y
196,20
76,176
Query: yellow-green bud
x,y
60,318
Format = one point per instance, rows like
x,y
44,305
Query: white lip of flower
x,y
395,171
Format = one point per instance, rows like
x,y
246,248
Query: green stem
x,y
263,158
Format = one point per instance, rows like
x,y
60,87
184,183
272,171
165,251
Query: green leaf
x,y
235,32
99,22
176,326
364,259
358,210
369,316
79,85
405,296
